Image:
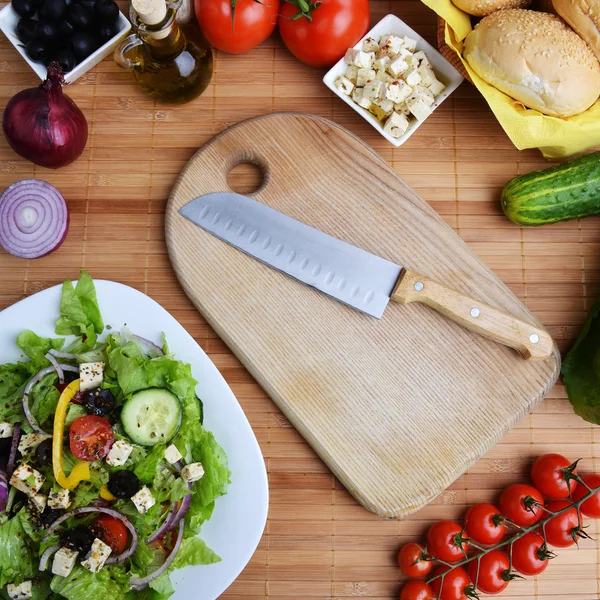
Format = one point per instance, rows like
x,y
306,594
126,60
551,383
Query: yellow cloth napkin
x,y
527,128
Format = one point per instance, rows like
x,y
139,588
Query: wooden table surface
x,y
318,543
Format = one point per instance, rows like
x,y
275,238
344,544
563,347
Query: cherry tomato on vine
x,y
321,36
591,507
416,590
530,554
518,504
253,22
551,475
562,530
412,562
446,540
484,524
455,585
494,572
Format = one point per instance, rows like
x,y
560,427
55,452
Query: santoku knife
x,y
347,273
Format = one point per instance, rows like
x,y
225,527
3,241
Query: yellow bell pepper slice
x,y
81,471
107,494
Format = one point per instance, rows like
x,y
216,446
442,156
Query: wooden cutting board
x,y
397,408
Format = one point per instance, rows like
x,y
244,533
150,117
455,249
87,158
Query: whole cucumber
x,y
563,192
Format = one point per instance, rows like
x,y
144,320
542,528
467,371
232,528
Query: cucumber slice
x,y
151,416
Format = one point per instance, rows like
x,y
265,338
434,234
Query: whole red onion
x,y
44,125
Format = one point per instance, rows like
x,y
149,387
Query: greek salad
x,y
106,471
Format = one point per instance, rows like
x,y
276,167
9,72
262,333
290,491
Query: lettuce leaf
x,y
16,560
194,551
13,378
44,398
110,582
581,369
36,347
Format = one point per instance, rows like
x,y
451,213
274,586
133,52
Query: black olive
x,y
79,539
124,484
107,32
49,33
24,8
67,29
65,58
87,3
52,10
107,11
79,16
36,51
83,45
99,402
43,453
28,29
44,520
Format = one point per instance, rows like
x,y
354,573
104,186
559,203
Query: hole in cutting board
x,y
245,178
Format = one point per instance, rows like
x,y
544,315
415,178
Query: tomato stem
x,y
305,8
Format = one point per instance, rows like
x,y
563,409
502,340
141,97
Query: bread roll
x,y
584,17
482,8
536,59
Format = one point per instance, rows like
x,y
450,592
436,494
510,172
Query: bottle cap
x,y
151,12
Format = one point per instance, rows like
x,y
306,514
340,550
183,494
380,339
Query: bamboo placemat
x,y
319,544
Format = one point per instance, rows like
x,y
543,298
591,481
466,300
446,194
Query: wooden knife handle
x,y
530,341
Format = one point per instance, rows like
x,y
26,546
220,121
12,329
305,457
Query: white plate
x,y
444,71
239,518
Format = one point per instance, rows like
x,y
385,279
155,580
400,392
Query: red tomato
x,y
455,583
591,507
518,504
494,572
561,531
253,23
530,554
91,438
550,476
334,26
411,561
416,590
111,531
484,524
446,541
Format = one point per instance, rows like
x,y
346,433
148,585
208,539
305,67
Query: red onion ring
x,y
166,526
107,511
34,219
148,347
57,367
186,502
12,457
139,583
64,355
48,552
3,491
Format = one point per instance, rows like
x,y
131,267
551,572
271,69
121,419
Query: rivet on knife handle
x,y
530,341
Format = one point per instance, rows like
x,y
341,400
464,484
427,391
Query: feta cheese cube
x,y
38,502
421,57
6,430
370,45
192,472
364,76
392,45
420,91
409,43
59,499
350,56
358,97
418,107
404,53
119,453
402,109
374,90
387,106
30,441
98,555
358,58
398,91
90,375
397,67
381,64
411,61
427,75
144,500
412,77
344,85
436,88
383,39
172,455
19,592
351,73
27,480
396,125
64,561
384,77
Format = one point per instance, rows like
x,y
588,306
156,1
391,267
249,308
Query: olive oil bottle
x,y
172,64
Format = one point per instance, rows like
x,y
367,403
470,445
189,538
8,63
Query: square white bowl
x,y
8,25
444,71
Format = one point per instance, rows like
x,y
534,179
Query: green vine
x,y
305,8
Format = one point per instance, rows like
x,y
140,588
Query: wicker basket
x,y
447,52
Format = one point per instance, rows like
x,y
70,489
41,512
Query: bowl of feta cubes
x,y
394,79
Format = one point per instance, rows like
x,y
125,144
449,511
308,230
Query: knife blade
x,y
349,274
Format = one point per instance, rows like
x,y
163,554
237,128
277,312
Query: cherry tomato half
x,y
513,504
91,438
561,531
455,583
549,475
416,590
111,531
411,561
491,576
591,507
484,524
530,555
446,541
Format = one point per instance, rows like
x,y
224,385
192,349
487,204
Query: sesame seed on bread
x,y
584,17
482,8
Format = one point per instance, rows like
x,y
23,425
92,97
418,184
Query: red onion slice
x,y
64,355
186,502
57,367
48,552
146,346
166,526
3,491
12,457
138,583
34,219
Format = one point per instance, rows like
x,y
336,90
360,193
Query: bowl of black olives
x,y
77,34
